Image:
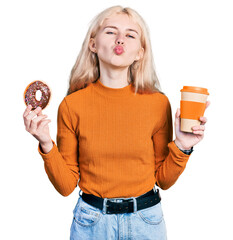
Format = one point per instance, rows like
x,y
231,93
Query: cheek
x,y
101,42
101,48
134,47
133,54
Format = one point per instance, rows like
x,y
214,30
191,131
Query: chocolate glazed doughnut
x,y
30,94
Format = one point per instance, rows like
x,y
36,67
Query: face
x,y
117,43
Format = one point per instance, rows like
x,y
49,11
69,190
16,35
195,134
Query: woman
x,y
114,134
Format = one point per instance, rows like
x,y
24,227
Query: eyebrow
x,y
128,29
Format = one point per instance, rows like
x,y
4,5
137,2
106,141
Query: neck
x,y
114,77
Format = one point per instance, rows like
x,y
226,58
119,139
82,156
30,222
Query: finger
x,y
29,117
35,121
177,119
40,112
203,120
25,116
199,128
43,123
177,113
27,110
33,113
207,104
201,133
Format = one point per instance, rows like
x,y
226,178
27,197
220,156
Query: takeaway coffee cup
x,y
192,106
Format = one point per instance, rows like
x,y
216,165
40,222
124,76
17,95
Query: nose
x,y
119,39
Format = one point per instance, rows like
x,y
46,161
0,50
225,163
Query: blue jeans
x,y
91,223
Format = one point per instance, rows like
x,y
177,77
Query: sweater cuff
x,y
177,152
47,156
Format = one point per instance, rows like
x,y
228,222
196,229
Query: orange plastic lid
x,y
195,90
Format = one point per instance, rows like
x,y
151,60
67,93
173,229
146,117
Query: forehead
x,y
121,21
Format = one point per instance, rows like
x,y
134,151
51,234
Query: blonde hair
x,y
141,73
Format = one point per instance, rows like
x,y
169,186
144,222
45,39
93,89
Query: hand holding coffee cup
x,y
192,107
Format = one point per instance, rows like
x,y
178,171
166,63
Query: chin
x,y
120,64
116,62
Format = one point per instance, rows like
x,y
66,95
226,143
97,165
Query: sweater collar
x,y
113,92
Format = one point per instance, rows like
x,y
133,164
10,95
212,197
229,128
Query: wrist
x,y
181,146
46,146
185,150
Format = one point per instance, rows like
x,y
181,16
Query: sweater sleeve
x,y
170,162
61,163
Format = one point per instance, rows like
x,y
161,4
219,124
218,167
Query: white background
x,y
192,45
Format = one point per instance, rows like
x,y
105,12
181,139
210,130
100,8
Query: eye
x,y
110,32
130,36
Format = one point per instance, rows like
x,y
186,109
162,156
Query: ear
x,y
140,54
92,45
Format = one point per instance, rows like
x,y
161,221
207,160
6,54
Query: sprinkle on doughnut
x,y
30,94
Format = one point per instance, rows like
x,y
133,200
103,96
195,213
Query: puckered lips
x,y
118,50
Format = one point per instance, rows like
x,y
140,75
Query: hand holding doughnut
x,y
37,124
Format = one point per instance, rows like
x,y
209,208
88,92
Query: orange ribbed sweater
x,y
113,143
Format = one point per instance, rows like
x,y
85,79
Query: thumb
x,y
40,112
177,118
207,104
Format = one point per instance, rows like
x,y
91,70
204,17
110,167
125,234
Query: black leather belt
x,y
146,200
